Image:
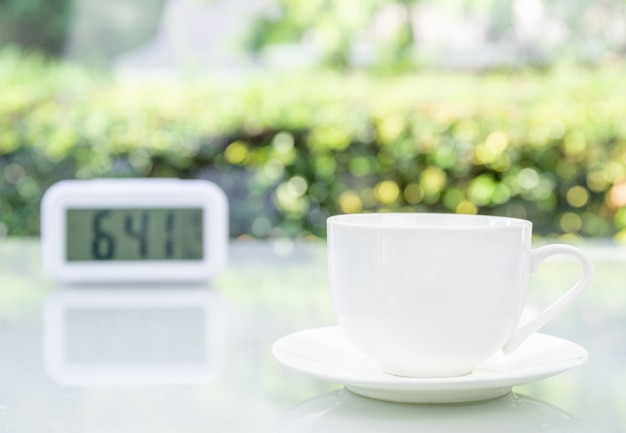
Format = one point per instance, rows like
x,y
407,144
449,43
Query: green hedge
x,y
292,149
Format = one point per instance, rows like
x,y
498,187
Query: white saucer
x,y
326,353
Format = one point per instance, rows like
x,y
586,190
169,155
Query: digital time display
x,y
134,230
120,234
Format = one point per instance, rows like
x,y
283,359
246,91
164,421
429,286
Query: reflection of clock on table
x,y
124,335
134,230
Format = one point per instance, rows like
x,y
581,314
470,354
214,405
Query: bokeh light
x,y
350,202
236,152
617,195
432,181
387,192
413,193
577,196
571,222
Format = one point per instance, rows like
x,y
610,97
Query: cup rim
x,y
447,221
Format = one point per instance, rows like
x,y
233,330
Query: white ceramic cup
x,y
434,295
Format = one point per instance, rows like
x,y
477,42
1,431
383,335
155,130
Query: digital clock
x,y
134,230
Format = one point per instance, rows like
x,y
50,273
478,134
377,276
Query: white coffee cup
x,y
434,295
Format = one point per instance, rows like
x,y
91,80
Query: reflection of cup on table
x,y
342,411
434,295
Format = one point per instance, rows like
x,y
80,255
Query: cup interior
x,y
426,221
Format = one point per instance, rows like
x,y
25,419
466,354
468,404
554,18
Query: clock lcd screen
x,y
134,234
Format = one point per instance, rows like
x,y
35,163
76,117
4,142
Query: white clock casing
x,y
135,194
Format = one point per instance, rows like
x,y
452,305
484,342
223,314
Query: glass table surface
x,y
185,358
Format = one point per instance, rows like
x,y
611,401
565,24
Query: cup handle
x,y
536,258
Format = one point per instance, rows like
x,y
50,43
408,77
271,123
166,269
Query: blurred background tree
x,y
396,35
390,34
339,29
35,24
302,109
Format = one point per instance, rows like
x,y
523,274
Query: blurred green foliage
x,y
291,150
